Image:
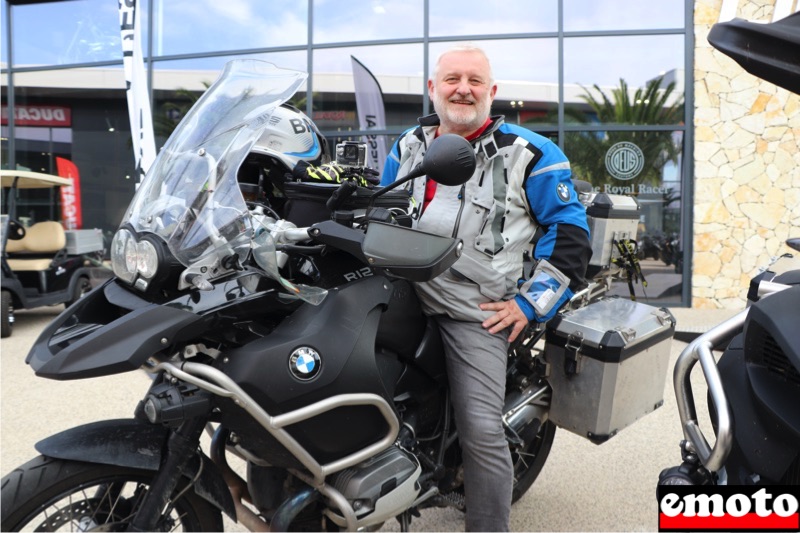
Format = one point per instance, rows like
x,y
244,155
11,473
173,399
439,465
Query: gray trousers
x,y
476,370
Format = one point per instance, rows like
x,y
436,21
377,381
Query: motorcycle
x,y
302,351
754,385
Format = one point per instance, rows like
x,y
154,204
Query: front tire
x,y
48,494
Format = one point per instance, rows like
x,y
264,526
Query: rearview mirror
x,y
450,160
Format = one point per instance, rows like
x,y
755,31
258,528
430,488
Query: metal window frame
x,y
426,39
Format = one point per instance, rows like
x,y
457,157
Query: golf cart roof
x,y
32,180
769,51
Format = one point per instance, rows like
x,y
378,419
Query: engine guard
x,y
133,444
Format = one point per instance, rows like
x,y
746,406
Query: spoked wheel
x,y
529,458
53,495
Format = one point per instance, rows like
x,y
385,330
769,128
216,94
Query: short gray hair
x,y
464,47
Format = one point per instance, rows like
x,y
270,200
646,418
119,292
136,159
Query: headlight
x,y
146,259
120,247
131,259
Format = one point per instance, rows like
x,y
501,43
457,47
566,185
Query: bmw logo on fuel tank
x,y
305,363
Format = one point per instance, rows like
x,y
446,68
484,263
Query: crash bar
x,y
700,350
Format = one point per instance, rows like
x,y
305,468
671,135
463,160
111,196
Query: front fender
x,y
105,341
133,444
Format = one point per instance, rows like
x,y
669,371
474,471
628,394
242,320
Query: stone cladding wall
x,y
746,167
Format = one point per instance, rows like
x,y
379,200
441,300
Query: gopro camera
x,y
351,154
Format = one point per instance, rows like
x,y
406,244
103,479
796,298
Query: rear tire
x,y
47,494
529,459
7,312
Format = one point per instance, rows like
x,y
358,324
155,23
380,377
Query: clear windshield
x,y
190,197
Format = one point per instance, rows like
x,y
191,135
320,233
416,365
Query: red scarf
x,y
430,185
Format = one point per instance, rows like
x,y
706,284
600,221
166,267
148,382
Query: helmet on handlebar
x,y
289,139
292,137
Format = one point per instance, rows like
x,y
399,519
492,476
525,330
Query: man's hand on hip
x,y
507,314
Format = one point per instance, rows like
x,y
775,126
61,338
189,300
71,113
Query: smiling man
x,y
522,182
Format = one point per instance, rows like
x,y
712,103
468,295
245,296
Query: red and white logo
x,y
728,508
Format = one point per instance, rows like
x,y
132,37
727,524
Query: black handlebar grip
x,y
340,195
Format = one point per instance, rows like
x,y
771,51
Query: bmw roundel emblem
x,y
305,363
563,192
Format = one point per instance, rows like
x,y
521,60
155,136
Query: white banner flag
x,y
144,144
371,116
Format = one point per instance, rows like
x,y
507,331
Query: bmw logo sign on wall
x,y
305,363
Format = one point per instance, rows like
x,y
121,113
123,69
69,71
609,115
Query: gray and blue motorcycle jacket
x,y
522,183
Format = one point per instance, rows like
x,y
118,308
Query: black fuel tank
x,y
317,353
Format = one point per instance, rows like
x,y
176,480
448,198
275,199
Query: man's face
x,y
462,91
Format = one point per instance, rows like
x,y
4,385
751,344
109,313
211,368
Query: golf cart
x,y
42,264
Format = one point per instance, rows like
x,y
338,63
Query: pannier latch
x,y
628,334
572,355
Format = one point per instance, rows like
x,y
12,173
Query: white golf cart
x,y
42,264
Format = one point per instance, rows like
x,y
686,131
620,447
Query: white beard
x,y
470,117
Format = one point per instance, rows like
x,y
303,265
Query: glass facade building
x,y
589,74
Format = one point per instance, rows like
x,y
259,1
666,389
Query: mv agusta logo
x,y
728,508
305,363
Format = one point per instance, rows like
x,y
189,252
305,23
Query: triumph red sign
x,y
728,508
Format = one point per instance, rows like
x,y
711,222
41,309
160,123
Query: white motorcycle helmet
x,y
289,138
292,137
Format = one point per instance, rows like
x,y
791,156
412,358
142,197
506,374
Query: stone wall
x,y
747,166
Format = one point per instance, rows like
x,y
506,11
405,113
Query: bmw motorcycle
x,y
278,317
303,349
754,386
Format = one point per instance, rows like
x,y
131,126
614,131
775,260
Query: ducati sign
x,y
305,363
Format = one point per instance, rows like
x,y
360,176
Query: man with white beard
x,y
522,183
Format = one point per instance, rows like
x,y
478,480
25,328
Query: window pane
x,y
646,165
640,63
186,27
526,72
398,70
367,20
80,115
57,33
588,15
480,17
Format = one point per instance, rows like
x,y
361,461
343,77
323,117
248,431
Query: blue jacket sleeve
x,y
555,204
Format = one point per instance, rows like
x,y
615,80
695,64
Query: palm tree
x,y
648,106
